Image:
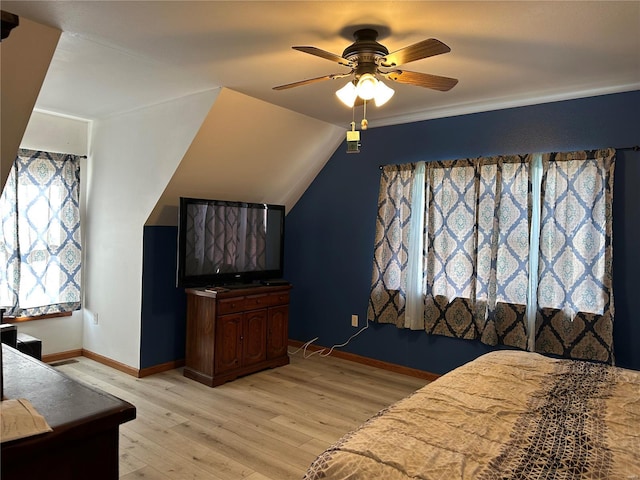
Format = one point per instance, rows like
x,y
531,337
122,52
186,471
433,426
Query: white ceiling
x,y
117,56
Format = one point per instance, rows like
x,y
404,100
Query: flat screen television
x,y
229,243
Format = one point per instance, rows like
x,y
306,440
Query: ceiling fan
x,y
369,60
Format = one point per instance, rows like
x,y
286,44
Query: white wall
x,y
50,132
59,334
132,157
54,133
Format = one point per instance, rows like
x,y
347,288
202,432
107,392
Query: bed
x,y
505,415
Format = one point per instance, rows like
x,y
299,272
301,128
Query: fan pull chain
x,y
364,123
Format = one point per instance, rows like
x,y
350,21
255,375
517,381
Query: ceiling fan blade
x,y
417,51
312,80
426,80
324,54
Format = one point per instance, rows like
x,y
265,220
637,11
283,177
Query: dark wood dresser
x,y
85,423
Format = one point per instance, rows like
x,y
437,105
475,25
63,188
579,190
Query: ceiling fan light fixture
x,y
348,94
367,86
383,94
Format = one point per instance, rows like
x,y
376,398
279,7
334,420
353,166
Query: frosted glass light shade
x,y
348,94
383,94
367,86
372,89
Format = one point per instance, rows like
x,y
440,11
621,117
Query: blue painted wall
x,y
164,307
329,232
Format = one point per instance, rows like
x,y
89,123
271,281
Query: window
x,y
512,250
40,240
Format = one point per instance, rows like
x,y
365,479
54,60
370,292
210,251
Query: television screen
x,y
222,242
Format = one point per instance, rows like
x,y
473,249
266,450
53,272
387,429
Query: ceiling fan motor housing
x,y
365,51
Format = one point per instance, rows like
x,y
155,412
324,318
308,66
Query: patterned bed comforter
x,y
506,415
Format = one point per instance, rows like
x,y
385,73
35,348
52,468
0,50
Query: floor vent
x,y
63,362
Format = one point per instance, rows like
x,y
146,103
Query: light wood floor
x,y
266,426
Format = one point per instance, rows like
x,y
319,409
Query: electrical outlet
x,y
354,321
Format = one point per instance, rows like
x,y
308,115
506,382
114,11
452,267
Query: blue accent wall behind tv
x,y
164,307
329,232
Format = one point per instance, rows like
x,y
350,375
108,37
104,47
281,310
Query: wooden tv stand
x,y
235,332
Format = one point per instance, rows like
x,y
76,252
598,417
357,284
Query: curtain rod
x,y
635,148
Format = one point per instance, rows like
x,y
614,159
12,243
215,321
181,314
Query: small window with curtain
x,y
40,246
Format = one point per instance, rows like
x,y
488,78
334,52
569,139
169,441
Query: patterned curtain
x,y
478,249
479,226
388,299
227,238
40,239
575,300
476,237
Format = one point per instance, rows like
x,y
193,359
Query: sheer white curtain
x,y
534,238
414,316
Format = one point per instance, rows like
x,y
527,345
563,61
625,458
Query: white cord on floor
x,y
320,352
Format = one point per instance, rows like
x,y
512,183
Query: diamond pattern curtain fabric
x,y
40,245
476,275
575,299
388,300
475,264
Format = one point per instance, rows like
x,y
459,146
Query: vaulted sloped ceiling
x,y
252,151
24,58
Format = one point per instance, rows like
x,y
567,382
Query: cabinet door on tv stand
x,y
278,331
254,337
228,342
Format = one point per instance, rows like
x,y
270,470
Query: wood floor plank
x,y
146,473
124,389
129,463
164,460
265,426
190,451
257,476
320,408
233,446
